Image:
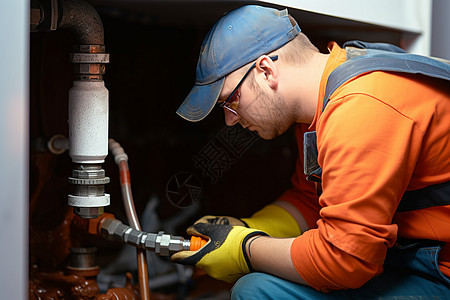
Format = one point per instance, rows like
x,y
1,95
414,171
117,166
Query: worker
x,y
374,222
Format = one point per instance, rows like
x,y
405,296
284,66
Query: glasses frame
x,y
226,104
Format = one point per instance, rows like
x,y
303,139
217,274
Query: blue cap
x,y
238,38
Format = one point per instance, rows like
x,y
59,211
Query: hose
x,y
121,159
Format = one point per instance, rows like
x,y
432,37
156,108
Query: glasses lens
x,y
233,98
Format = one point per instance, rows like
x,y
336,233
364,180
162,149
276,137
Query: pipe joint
x,y
89,62
88,197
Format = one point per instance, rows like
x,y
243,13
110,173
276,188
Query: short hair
x,y
298,51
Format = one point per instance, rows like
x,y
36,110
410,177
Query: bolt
x,y
133,237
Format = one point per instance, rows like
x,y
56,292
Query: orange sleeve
x,y
367,150
302,195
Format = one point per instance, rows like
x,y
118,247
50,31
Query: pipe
x,y
121,159
58,144
88,122
83,20
77,15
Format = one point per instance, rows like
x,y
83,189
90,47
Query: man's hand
x,y
279,219
223,257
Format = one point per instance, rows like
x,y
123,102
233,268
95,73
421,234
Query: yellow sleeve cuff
x,y
274,220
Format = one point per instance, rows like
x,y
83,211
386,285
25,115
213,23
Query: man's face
x,y
262,110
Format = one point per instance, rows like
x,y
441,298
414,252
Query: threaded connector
x,y
160,243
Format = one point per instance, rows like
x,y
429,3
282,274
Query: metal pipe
x,y
121,160
77,15
88,122
88,111
88,98
81,18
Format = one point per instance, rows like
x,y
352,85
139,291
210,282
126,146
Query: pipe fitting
x,y
58,144
89,66
161,243
82,258
88,197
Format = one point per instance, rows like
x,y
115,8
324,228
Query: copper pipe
x,y
127,196
125,183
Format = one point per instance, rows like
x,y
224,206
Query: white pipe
x,y
88,122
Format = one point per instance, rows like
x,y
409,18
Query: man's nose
x,y
230,118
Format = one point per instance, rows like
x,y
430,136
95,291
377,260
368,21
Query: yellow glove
x,y
223,257
274,220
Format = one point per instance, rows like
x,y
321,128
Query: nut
x,y
150,241
113,229
176,244
164,244
133,237
89,58
89,68
88,212
89,48
88,173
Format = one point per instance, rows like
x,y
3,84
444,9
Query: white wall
x,y
440,35
14,37
411,17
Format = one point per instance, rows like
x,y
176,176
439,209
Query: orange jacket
x,y
380,134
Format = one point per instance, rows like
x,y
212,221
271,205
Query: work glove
x,y
223,257
221,220
272,219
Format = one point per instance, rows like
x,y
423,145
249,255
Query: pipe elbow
x,y
83,20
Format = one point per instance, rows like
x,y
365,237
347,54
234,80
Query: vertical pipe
x,y
134,222
121,160
88,122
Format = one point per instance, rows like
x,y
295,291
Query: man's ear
x,y
267,67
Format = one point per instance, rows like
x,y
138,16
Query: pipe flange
x,y
92,181
89,58
88,201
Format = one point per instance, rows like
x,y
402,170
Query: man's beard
x,y
272,116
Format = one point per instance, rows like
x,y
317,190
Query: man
x,y
381,135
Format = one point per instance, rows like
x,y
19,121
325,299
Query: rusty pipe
x,y
83,20
76,15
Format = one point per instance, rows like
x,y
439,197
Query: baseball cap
x,y
238,38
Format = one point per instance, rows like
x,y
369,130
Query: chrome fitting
x,y
88,197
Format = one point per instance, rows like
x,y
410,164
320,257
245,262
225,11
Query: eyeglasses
x,y
232,102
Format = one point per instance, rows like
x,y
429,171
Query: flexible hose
x,y
121,159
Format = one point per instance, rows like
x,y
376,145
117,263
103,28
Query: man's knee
x,y
247,287
265,286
